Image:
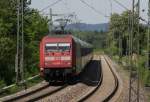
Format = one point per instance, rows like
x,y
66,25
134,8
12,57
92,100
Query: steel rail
x,y
89,94
116,82
109,97
47,94
81,99
13,98
34,93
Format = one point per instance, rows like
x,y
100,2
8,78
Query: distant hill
x,y
88,27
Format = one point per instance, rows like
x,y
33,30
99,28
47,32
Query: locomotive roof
x,y
59,36
83,43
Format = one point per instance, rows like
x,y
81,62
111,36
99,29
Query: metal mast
x,y
50,21
138,48
134,73
20,43
148,37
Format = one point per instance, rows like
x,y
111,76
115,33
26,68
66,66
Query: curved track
x,y
92,91
97,83
116,82
86,84
109,86
34,93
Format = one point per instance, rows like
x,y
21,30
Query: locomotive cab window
x,y
51,47
57,47
64,46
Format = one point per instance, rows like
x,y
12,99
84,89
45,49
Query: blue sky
x,y
84,13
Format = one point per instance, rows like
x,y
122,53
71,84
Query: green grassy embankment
x,y
18,88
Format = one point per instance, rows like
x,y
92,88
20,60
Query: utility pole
x,y
148,38
19,61
120,47
138,48
138,25
113,37
50,21
129,31
110,7
134,72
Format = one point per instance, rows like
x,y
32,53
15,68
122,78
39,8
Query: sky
x,y
84,13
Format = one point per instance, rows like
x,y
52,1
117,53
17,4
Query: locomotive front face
x,y
57,55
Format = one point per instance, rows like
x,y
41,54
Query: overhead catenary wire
x,y
53,4
121,4
66,5
47,7
94,9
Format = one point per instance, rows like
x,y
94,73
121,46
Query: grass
x,y
18,88
140,65
98,51
144,73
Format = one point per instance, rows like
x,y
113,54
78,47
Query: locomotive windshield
x,y
64,46
52,47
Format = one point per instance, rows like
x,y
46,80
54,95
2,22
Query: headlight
x,y
66,58
41,69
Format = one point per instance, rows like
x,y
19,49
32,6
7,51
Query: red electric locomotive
x,y
63,55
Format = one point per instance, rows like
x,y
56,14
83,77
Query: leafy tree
x,y
118,38
119,32
35,28
7,59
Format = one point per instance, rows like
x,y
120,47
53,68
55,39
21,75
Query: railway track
x,y
34,93
95,84
102,93
88,80
92,91
116,82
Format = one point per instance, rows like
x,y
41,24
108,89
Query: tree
x,y
35,28
119,32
